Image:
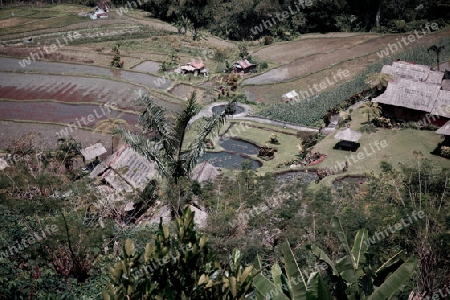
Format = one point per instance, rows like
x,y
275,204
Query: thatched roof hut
x,y
418,73
410,94
204,172
442,105
125,170
348,135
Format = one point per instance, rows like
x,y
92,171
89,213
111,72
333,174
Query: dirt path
x,y
246,115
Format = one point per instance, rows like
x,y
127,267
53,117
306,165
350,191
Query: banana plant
x,y
351,276
355,275
292,285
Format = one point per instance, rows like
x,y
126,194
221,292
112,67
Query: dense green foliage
x,y
237,19
48,269
177,267
309,112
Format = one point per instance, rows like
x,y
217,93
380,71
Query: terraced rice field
x,y
69,89
11,64
60,113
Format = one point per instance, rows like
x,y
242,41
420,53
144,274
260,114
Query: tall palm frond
x,y
68,150
182,121
165,148
109,125
197,147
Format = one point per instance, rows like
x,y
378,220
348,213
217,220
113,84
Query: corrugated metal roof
x,y
197,64
3,164
291,95
187,68
244,64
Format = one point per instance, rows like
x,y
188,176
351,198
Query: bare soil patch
x,y
10,22
285,53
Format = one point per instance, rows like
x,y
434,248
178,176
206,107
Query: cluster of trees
x,y
237,19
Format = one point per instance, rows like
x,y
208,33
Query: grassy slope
x,y
399,149
30,18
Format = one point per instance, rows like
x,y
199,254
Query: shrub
x,y
382,122
312,140
268,40
220,55
385,166
430,127
445,151
263,65
196,188
116,62
273,138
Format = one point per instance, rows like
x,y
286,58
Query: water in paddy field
x,y
227,160
221,108
239,146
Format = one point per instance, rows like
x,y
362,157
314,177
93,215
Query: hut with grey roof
x,y
415,94
204,172
125,170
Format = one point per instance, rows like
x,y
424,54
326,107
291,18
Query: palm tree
x,y
68,150
371,108
437,50
378,80
109,125
164,143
